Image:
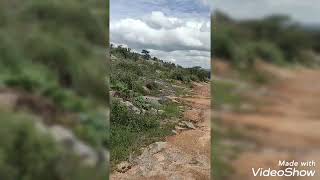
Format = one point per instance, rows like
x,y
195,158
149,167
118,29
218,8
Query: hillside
x,y
144,106
52,90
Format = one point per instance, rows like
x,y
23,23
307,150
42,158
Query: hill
x,y
144,109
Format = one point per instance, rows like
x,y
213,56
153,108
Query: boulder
x,y
164,99
152,100
131,107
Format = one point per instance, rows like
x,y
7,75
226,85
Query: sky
x,y
303,11
177,31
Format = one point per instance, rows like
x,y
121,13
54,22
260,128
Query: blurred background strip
x,y
266,59
53,90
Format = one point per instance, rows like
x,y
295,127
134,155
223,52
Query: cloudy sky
x,y
304,11
173,30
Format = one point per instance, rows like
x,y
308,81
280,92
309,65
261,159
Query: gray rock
x,y
123,167
175,132
189,124
131,107
157,147
160,112
146,90
152,100
179,128
153,111
164,99
70,142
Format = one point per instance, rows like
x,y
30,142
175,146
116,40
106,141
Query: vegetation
x,y
52,52
141,113
27,153
275,39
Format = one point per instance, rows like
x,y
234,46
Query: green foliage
x,y
93,129
63,39
171,110
54,49
224,94
274,39
26,153
129,131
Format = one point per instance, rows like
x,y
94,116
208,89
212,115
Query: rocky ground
x,y
185,155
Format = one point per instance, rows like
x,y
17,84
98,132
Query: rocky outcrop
x,y
66,139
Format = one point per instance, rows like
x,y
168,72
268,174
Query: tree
x,y
146,54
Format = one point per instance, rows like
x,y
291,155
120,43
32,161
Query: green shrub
x,y
21,143
93,129
152,85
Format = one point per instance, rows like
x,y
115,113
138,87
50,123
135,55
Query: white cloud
x,y
158,20
182,41
137,33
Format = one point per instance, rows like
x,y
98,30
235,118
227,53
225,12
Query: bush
x,y
93,129
25,153
152,85
180,76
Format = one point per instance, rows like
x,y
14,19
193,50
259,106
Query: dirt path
x,y
185,156
285,127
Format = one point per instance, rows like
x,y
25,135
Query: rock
x,y
189,124
175,132
152,100
181,124
157,147
135,110
146,90
123,167
153,111
70,142
193,161
164,99
175,101
178,128
160,112
113,58
113,93
131,107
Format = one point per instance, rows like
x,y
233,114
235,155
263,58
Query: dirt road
x,y
184,156
285,127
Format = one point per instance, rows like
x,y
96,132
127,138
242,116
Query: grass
x,y
172,110
223,93
130,132
220,168
132,77
222,153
